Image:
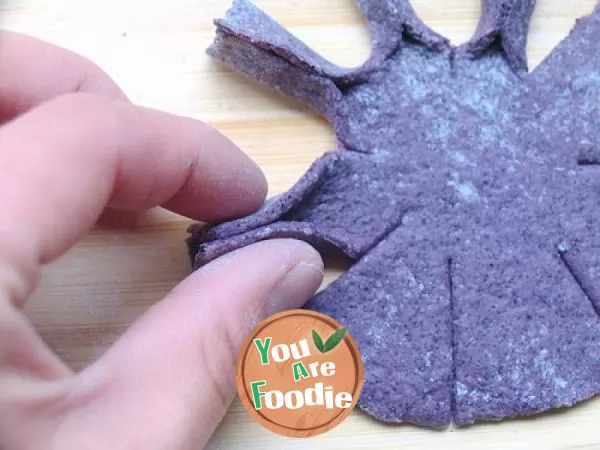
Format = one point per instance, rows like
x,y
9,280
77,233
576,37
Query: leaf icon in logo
x,y
318,341
331,343
334,340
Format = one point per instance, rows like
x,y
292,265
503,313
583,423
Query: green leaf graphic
x,y
334,340
318,341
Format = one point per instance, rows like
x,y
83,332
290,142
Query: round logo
x,y
299,373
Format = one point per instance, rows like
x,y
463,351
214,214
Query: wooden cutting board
x,y
155,51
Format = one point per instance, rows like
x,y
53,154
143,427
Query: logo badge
x,y
299,373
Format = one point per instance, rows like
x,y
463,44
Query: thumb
x,y
171,378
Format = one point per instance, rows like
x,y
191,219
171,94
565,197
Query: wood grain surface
x,y
155,51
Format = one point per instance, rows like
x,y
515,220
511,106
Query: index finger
x,y
65,161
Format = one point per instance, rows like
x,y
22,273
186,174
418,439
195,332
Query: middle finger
x,y
33,72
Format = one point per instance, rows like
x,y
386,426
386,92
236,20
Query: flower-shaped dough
x,y
466,190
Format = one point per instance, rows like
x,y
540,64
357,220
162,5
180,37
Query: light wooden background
x,y
155,51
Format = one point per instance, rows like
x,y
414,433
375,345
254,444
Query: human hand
x,y
71,145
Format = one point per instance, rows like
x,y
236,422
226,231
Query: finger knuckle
x,y
82,102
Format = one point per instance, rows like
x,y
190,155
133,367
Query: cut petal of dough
x,y
396,304
506,21
546,352
315,210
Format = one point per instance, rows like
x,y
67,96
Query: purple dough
x,y
467,192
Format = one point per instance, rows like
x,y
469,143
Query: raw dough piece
x,y
466,189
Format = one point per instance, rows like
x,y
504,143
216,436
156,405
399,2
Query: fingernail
x,y
296,287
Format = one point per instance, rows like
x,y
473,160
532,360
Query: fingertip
x,y
300,282
300,251
238,185
281,255
288,272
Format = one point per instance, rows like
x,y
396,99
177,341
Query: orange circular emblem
x,y
299,373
